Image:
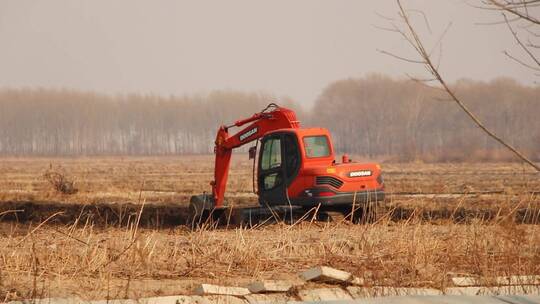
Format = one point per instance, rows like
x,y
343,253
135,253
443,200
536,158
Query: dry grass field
x,y
42,258
173,179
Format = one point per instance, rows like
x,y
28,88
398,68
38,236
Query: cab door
x,y
279,162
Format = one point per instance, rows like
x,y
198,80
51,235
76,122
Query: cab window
x,y
316,146
271,157
271,181
292,161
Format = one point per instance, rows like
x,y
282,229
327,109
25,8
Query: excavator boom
x,y
272,118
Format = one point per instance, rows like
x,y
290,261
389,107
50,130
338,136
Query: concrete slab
x,y
114,301
324,294
519,299
518,280
224,299
512,290
360,292
463,291
270,286
357,281
369,292
174,300
268,298
209,289
465,281
74,300
413,291
447,299
326,274
451,300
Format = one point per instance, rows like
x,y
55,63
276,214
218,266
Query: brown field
x,y
41,256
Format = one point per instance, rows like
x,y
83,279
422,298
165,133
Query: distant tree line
x,y
374,116
407,120
50,122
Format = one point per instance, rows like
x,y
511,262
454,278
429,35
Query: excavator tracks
x,y
396,208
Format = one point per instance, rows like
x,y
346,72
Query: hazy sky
x,y
283,47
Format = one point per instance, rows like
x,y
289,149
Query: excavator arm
x,y
273,117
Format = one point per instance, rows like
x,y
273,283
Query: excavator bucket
x,y
202,211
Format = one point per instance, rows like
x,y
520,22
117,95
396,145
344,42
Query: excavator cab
x,y
298,167
278,165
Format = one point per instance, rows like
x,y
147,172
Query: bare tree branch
x,y
519,10
441,37
514,8
399,57
520,61
531,32
523,47
426,60
425,18
515,19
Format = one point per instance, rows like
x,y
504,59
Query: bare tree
x,y
524,27
426,59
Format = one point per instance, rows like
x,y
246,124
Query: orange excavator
x,y
296,167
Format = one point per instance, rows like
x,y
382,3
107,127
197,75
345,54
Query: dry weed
x,y
410,253
60,182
